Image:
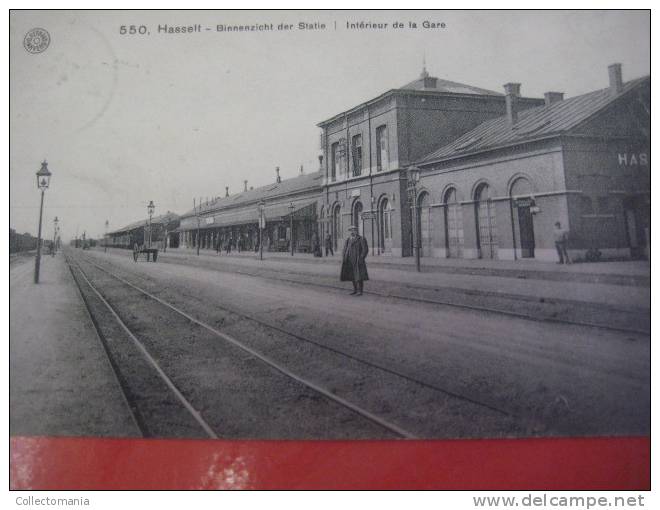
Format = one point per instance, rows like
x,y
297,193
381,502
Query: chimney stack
x,y
512,92
302,171
226,191
245,185
553,97
616,79
277,171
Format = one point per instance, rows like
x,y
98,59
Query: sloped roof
x,y
285,187
532,123
452,87
162,219
424,83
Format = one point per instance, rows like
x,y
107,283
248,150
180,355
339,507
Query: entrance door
x,y
526,223
385,226
486,223
633,234
336,226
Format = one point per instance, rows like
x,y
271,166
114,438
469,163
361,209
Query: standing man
x,y
353,266
328,245
561,243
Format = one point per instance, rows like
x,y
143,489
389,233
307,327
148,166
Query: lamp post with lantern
x,y
150,209
413,179
292,208
43,180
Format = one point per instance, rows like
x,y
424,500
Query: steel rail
x,y
382,368
189,407
133,411
268,361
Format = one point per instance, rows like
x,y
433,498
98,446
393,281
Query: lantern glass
x,y
43,176
413,174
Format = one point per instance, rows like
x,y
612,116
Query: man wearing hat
x,y
353,266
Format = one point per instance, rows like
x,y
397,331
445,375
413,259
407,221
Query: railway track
x,y
609,313
394,429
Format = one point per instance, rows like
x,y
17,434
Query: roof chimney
x,y
302,171
616,79
245,185
512,92
277,171
226,191
553,97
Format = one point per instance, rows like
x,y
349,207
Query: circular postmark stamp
x,y
36,40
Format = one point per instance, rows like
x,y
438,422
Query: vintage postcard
x,y
330,224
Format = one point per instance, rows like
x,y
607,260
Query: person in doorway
x,y
354,266
328,245
561,243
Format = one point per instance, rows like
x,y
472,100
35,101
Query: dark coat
x,y
353,265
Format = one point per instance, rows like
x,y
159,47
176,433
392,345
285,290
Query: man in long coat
x,y
353,266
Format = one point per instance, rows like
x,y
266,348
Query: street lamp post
x,y
43,180
413,179
262,224
292,208
55,222
105,243
150,209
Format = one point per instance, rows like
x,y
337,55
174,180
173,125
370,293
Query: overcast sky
x,y
124,119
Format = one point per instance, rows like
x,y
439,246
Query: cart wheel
x,y
135,252
155,254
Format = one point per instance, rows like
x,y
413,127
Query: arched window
x,y
424,225
453,224
486,226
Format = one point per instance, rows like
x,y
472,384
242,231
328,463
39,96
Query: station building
x,y
497,171
497,190
290,209
366,150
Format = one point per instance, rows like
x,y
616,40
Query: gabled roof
x,y
533,123
426,82
285,187
163,219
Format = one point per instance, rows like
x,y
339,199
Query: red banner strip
x,y
47,463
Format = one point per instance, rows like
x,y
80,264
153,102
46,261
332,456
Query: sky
x,y
123,119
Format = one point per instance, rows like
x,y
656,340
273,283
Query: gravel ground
x,y
623,316
546,379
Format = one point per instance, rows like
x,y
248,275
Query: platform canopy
x,y
304,209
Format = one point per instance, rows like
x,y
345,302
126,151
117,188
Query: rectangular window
x,y
357,155
382,156
334,164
